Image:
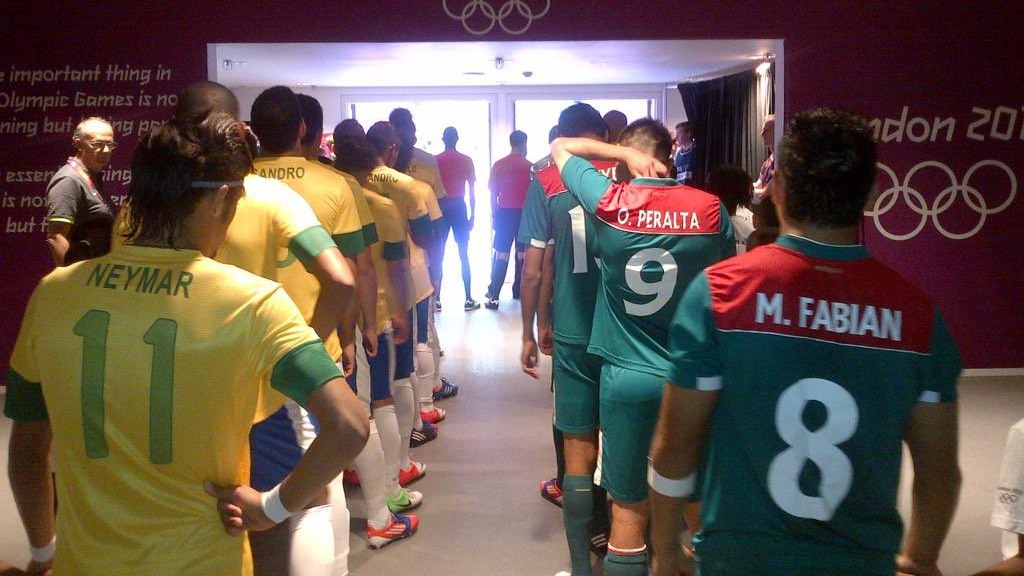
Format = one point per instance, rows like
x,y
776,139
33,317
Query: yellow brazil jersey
x,y
145,362
334,205
392,247
423,167
370,234
409,196
272,223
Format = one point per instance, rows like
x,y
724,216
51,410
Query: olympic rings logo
x,y
945,200
490,16
1007,498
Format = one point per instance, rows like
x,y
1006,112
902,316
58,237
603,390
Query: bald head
x,y
94,143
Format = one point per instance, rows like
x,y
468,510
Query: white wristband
x,y
273,508
670,487
44,554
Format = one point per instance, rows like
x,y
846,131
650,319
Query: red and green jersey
x,y
653,237
820,353
552,215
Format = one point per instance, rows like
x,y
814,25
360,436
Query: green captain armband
x,y
25,401
421,226
303,371
309,243
350,243
393,251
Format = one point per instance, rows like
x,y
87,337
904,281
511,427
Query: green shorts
x,y
630,401
577,376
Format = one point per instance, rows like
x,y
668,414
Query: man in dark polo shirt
x,y
78,216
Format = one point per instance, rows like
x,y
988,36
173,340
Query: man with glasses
x,y
78,215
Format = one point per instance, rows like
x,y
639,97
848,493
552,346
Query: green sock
x,y
577,511
616,564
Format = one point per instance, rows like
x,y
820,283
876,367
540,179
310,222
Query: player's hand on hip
x,y
240,508
907,565
528,358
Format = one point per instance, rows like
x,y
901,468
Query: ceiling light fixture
x,y
499,63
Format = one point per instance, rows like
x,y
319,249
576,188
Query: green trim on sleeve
x,y
370,234
25,402
350,243
309,243
421,226
393,251
303,370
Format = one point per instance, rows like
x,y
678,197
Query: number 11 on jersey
x,y
161,335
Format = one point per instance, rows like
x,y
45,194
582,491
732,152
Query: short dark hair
x,y
649,136
166,163
615,120
581,119
199,100
827,161
381,136
354,153
449,133
276,119
400,117
313,116
517,138
553,133
732,185
685,125
348,126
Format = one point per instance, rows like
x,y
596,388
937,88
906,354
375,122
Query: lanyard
x,y
84,173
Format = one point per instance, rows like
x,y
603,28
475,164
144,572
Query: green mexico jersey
x,y
653,236
819,353
552,215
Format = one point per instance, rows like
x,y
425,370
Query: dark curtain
x,y
726,121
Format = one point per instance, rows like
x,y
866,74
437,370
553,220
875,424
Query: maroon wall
x,y
953,66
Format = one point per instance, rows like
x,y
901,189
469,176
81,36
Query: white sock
x,y
408,415
372,474
340,520
435,348
426,371
391,441
313,538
